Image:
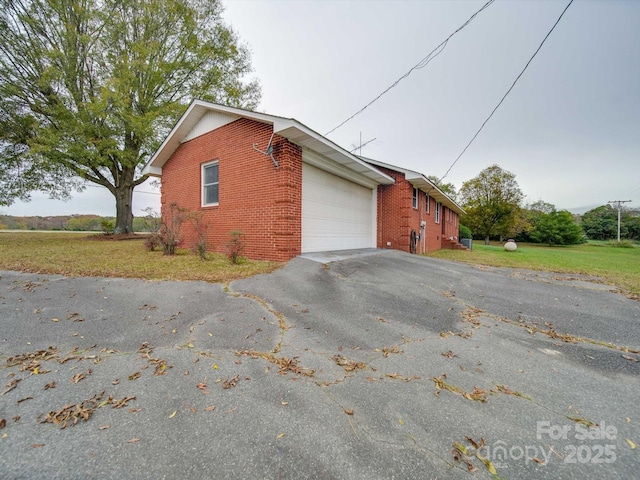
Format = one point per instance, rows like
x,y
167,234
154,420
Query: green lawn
x,y
618,266
82,254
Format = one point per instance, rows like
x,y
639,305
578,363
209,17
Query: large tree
x,y
492,201
448,188
89,87
557,228
601,223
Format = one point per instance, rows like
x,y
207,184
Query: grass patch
x,y
76,254
617,266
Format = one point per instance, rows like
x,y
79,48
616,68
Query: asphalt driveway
x,y
381,366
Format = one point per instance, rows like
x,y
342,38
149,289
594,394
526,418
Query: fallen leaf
x,y
23,400
281,435
49,385
173,414
627,357
284,403
348,411
122,402
400,421
3,423
134,410
37,445
104,427
229,383
133,376
210,408
133,440
631,444
16,418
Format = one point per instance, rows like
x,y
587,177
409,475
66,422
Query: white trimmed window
x,y
426,209
415,197
210,184
437,212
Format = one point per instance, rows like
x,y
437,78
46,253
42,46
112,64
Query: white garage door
x,y
336,214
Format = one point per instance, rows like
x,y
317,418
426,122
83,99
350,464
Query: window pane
x,y
210,174
211,194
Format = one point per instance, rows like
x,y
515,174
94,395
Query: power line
x,y
508,91
421,64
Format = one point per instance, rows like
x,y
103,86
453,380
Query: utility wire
x,y
421,64
508,91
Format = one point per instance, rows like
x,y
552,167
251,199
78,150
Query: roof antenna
x,y
268,151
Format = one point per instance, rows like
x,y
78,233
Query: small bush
x,y
201,228
152,242
464,232
107,226
235,247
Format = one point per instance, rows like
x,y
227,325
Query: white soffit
x,y
202,117
418,180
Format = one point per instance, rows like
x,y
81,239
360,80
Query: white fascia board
x,y
288,128
420,181
302,135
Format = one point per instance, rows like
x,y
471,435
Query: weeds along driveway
x,y
387,366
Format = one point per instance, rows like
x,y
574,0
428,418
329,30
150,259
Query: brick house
x,y
290,190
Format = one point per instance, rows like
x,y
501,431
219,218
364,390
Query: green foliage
x,y
88,89
557,228
492,201
448,188
87,223
601,223
107,226
236,246
139,224
464,232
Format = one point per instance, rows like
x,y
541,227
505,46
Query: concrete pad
x,y
339,255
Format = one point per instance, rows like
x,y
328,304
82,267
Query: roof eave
x,y
421,182
288,128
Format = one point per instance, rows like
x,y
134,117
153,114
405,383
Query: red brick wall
x,y
397,217
255,198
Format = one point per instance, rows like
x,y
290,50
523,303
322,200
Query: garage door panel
x,y
336,214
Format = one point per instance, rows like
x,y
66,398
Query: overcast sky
x,y
569,130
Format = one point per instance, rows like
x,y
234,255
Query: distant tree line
x,y
494,209
79,223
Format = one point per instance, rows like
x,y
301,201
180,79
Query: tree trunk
x,y
124,214
486,240
124,204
